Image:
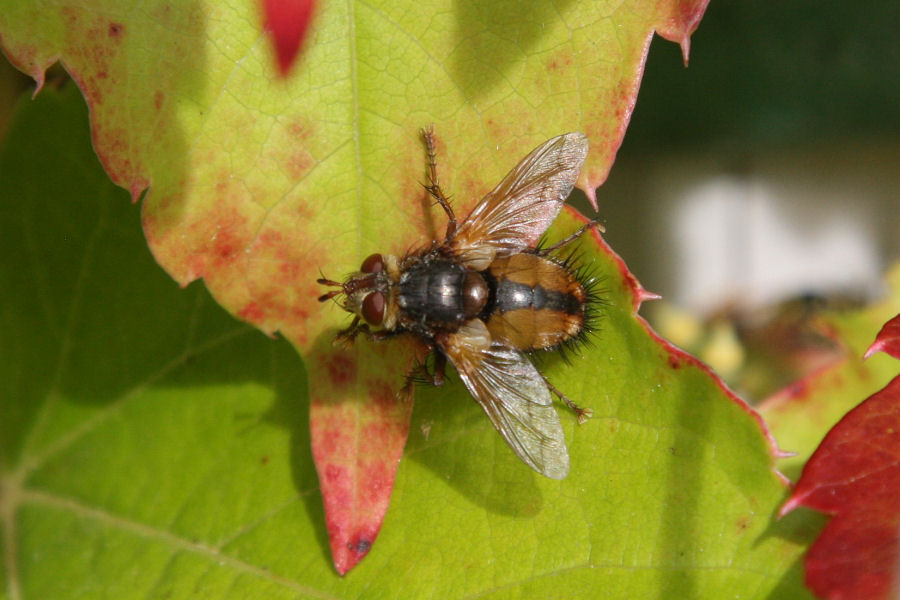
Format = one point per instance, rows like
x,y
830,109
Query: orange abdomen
x,y
537,303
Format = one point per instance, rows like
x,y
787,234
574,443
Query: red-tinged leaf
x,y
682,22
287,22
357,445
259,186
150,446
855,475
887,340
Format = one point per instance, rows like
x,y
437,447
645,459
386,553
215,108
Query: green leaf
x,y
152,447
258,184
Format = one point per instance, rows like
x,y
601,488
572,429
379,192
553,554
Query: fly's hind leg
x,y
433,187
581,231
582,414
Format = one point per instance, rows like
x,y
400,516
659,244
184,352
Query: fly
x,y
486,296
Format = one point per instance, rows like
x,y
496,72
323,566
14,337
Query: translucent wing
x,y
519,210
514,396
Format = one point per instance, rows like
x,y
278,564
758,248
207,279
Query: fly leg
x,y
581,231
433,187
583,414
419,373
346,337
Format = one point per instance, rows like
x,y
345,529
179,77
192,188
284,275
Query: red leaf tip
x,y
887,340
287,22
349,556
791,503
643,295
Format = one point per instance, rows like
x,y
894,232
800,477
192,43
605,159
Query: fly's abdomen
x,y
440,294
538,304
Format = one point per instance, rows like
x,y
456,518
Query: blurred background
x,y
760,186
755,188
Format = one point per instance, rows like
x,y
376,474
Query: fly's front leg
x,y
346,337
581,231
433,187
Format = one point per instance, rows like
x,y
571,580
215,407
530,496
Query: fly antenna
x,y
329,295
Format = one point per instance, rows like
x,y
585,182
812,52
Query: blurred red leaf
x,y
854,475
287,22
887,340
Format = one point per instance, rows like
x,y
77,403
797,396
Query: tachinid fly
x,y
485,296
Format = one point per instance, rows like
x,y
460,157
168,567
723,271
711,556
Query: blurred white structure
x,y
709,232
744,242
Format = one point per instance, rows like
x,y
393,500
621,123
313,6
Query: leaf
x,y
887,340
801,414
854,475
259,183
287,22
151,447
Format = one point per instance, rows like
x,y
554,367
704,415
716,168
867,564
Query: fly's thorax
x,y
438,293
538,303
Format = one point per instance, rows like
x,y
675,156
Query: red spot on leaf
x,y
336,474
335,439
340,367
560,61
497,131
158,98
299,164
300,130
381,394
252,313
116,30
378,475
854,475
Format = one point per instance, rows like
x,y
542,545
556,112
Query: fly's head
x,y
370,294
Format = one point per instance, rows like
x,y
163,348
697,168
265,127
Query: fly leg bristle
x,y
407,392
419,372
582,414
581,231
434,187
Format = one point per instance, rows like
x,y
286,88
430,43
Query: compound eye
x,y
373,264
373,308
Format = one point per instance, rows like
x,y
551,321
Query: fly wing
x,y
519,210
514,396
